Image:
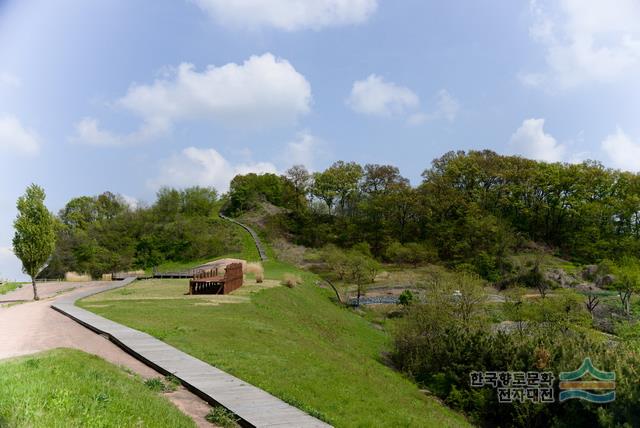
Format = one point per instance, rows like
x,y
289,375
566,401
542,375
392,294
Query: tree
x,y
301,180
339,182
324,187
627,281
198,201
79,212
469,297
35,237
592,301
378,178
337,261
360,270
514,306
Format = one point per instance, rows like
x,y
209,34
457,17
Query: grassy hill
x,y
293,342
69,388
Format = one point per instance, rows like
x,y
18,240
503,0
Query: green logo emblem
x,y
572,387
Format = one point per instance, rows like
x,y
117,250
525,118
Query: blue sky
x,y
128,95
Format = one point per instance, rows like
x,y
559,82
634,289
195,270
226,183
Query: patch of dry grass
x,y
291,280
76,277
256,269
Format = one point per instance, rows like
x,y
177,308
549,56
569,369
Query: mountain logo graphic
x,y
572,387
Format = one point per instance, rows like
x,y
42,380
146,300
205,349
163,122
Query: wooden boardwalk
x,y
255,407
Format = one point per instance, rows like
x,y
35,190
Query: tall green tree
x,y
627,281
35,236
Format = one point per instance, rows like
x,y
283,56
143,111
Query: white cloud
x,y
89,132
622,152
531,141
304,150
263,91
204,167
15,138
585,40
374,96
289,15
447,107
8,79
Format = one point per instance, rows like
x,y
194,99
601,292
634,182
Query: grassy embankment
x,y
68,388
295,343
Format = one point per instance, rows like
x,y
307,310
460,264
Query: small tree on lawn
x,y
362,271
35,236
359,274
627,281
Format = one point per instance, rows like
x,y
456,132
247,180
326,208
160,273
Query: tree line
x,y
471,208
102,234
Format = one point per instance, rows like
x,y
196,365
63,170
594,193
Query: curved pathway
x,y
30,327
254,406
254,235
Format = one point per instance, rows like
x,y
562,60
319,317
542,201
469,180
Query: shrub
x,y
171,382
76,277
405,298
155,384
256,269
439,348
222,417
291,280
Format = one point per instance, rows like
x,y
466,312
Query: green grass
x,y
68,388
294,343
548,262
9,286
173,266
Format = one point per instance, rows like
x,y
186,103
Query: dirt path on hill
x,y
29,327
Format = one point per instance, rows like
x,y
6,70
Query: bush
x,y
156,384
439,349
256,269
290,280
405,298
222,417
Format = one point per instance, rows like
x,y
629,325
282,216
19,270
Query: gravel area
x,y
375,300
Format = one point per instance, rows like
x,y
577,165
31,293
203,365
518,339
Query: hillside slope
x,y
293,342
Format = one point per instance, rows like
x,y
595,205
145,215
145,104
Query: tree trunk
x,y
335,290
35,289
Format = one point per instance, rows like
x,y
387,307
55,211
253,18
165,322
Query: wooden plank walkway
x,y
255,407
